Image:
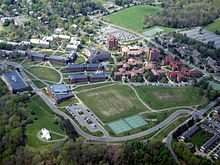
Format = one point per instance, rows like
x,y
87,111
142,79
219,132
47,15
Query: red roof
x,y
180,74
184,69
179,63
169,58
192,72
175,66
173,73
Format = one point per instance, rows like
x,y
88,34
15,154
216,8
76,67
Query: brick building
x,y
112,42
98,77
32,56
77,78
153,54
132,51
58,60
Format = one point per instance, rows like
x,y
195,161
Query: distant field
x,y
44,73
165,97
112,102
132,18
44,117
213,26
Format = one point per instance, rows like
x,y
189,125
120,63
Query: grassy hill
x,y
132,18
213,26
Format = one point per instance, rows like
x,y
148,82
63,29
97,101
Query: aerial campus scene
x,y
110,82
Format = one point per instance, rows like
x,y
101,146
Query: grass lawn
x,y
200,138
213,26
67,102
39,84
81,88
44,117
80,60
165,97
112,102
44,73
132,18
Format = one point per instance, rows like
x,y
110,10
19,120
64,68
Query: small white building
x,y
46,134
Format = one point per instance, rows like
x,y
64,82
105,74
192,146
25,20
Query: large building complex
x,y
60,92
112,42
96,55
153,54
132,51
14,81
84,67
84,78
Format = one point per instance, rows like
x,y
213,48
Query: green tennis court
x,y
153,31
214,85
135,121
119,126
127,124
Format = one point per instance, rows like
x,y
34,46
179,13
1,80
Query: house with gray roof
x,y
14,81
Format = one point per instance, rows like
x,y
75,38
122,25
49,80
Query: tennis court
x,y
127,124
153,31
214,85
135,121
119,126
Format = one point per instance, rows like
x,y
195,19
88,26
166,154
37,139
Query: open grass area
x,y
165,97
39,84
80,60
44,73
200,138
213,26
44,117
132,18
81,88
112,102
67,102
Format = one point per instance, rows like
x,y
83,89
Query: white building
x,y
46,134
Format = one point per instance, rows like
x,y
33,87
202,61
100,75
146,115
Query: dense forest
x,y
182,13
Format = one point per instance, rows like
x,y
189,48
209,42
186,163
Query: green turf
x,y
112,102
214,85
165,97
55,136
44,73
200,138
39,84
214,26
44,117
135,121
119,126
132,18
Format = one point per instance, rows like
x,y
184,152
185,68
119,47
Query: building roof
x,y
210,142
191,131
209,129
34,54
94,65
72,66
98,75
218,152
98,55
77,76
53,57
14,80
184,69
60,91
72,54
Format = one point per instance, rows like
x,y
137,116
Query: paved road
x,y
87,136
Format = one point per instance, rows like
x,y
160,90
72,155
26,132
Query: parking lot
x,y
203,36
105,32
85,117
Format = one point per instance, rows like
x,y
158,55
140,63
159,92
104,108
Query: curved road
x,y
87,136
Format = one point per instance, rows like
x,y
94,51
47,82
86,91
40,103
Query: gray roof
x,y
72,54
58,58
98,75
96,55
210,142
14,80
77,76
70,65
60,91
218,152
37,54
93,65
191,131
209,128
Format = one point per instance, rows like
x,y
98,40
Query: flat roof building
x,y
60,92
98,77
14,81
216,155
72,56
96,55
